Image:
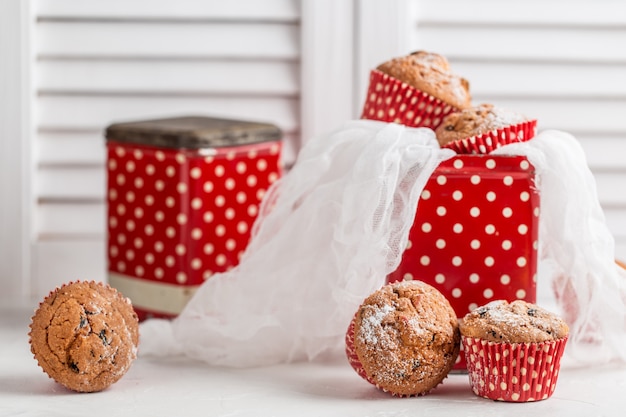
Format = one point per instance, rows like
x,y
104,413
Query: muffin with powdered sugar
x,y
483,128
404,338
513,350
416,90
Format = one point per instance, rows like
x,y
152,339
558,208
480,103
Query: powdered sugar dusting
x,y
372,324
406,338
516,322
498,118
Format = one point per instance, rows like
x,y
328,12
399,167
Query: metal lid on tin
x,y
192,132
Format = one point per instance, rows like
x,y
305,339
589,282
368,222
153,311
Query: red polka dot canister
x,y
183,194
475,235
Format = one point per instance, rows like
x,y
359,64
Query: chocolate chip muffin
x,y
516,322
431,74
404,338
475,121
84,335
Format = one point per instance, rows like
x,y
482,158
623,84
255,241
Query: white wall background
x,y
71,67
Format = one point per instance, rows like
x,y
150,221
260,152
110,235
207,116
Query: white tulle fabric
x,y
332,228
328,233
576,249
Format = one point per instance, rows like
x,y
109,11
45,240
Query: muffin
x,y
84,335
513,350
430,73
416,90
404,338
484,128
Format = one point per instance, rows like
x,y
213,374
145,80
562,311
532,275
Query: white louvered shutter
x,y
562,62
99,62
301,64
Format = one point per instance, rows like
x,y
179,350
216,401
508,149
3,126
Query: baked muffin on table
x,y
415,90
483,128
84,335
404,338
513,350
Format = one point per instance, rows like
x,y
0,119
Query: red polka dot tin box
x,y
182,195
475,232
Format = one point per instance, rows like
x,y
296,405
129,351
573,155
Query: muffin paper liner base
x,y
391,100
490,141
513,372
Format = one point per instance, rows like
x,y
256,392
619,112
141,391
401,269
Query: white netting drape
x,y
333,227
328,233
576,252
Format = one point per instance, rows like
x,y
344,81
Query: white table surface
x,y
179,387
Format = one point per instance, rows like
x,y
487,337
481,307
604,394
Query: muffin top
x,y
516,322
84,335
475,121
406,337
431,74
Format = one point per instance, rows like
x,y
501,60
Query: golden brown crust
x,y
431,74
516,322
475,121
84,335
406,337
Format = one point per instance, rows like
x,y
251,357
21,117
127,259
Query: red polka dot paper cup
x,y
352,356
490,141
513,372
391,100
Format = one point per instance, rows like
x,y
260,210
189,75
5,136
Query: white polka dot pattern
x,y
479,235
517,372
177,217
490,141
391,100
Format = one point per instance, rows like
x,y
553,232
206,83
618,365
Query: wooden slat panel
x,y
63,220
616,221
81,183
523,43
145,40
527,79
96,112
65,148
59,261
605,152
611,188
533,12
572,115
286,10
170,76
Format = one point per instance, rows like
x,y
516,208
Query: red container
x,y
475,232
183,194
391,100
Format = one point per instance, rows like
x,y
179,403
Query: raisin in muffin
x,y
84,335
430,73
404,338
